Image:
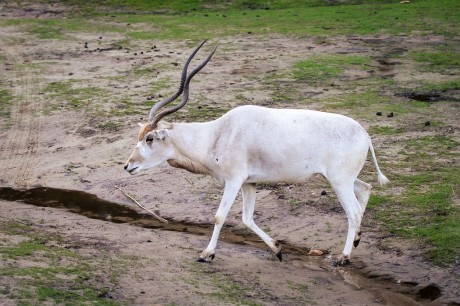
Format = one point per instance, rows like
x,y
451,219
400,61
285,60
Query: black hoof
x,y
341,262
211,257
356,242
279,255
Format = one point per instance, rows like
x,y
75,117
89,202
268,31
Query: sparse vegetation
x,y
5,102
64,94
322,68
54,274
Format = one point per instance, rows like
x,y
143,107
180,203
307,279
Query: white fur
x,y
252,144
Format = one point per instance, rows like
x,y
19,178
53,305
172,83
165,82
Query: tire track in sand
x,y
20,142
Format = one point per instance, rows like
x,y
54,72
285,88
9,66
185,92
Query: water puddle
x,y
93,207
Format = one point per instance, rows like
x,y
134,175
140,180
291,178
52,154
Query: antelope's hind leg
x,y
249,199
353,209
362,191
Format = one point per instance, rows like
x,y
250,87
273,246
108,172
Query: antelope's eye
x,y
149,139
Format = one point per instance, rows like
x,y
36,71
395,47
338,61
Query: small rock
x,y
315,252
378,113
324,192
428,123
390,115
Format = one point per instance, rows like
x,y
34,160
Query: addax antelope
x,y
253,144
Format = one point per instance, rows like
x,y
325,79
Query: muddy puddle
x,y
92,206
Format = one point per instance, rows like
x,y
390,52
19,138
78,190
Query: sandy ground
x,y
64,149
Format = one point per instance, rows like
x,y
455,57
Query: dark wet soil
x,y
430,97
94,207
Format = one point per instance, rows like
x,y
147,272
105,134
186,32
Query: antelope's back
x,y
292,144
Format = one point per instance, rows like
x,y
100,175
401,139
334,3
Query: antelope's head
x,y
153,145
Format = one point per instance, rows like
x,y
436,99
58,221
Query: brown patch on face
x,y
144,130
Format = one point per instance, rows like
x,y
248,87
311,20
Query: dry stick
x,y
146,209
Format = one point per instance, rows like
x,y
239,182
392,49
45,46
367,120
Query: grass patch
x,y
425,212
230,291
197,19
438,61
369,102
198,113
48,273
384,130
6,100
437,144
65,94
322,68
439,87
25,248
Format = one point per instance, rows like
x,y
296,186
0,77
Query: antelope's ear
x,y
161,134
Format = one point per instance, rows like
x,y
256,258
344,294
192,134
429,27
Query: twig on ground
x,y
140,205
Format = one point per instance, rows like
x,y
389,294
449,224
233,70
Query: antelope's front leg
x,y
230,193
249,199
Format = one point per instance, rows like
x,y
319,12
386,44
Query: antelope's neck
x,y
192,146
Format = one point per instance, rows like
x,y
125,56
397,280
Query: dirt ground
x,y
66,150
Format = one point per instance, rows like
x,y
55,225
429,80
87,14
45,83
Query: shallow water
x,y
94,207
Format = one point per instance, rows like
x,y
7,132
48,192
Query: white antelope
x,y
253,144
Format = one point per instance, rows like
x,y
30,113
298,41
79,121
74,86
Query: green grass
x,y
6,100
439,87
53,274
437,61
384,130
365,103
206,19
321,68
437,144
25,248
66,94
425,212
230,291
